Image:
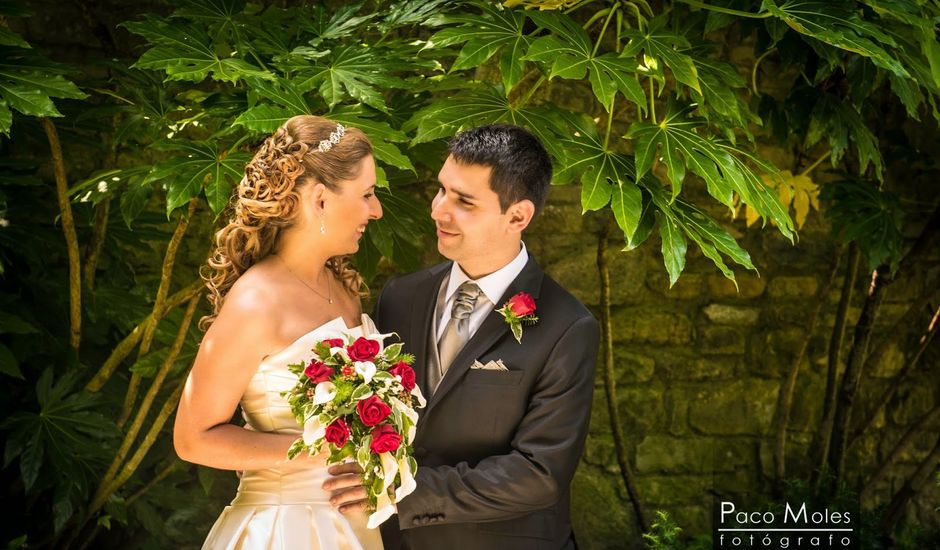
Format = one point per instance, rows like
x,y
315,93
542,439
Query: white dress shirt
x,y
492,285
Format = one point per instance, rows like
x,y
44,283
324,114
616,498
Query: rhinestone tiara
x,y
337,134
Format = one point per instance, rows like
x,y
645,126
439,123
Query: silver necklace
x,y
303,282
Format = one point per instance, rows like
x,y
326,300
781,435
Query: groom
x,y
505,423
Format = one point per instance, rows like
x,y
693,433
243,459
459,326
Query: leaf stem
x,y
610,121
754,70
531,91
600,37
652,101
578,5
816,163
728,11
594,18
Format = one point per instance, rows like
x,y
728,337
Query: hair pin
x,y
327,144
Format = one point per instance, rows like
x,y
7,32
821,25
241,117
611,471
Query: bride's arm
x,y
228,357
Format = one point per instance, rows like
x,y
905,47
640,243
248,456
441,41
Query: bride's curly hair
x,y
268,195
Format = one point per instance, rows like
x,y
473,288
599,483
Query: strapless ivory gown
x,y
288,510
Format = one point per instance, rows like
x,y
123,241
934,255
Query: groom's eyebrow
x,y
458,192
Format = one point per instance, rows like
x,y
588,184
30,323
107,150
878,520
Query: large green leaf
x,y
483,36
839,122
569,53
200,166
382,136
837,24
184,51
350,71
664,48
676,141
477,105
862,212
28,82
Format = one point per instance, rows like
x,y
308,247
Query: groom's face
x,y
466,211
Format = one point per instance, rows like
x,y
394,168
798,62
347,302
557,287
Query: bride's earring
x,y
322,227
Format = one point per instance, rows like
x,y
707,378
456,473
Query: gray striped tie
x,y
457,331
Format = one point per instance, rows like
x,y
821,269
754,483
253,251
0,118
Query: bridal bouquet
x,y
359,398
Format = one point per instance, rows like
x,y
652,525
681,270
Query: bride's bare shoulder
x,y
252,302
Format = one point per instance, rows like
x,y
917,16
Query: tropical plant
x,y
640,104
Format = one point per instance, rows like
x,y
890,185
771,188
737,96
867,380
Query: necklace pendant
x,y
331,300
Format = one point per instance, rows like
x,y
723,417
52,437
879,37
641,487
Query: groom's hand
x,y
346,485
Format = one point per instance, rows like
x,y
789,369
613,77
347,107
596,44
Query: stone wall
x,y
699,367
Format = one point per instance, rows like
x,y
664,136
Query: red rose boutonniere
x,y
519,310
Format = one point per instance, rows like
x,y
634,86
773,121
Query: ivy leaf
x,y
666,48
839,26
483,36
569,54
201,166
861,212
184,51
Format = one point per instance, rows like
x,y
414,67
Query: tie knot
x,y
466,300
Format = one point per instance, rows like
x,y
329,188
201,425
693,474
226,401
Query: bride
x,y
279,282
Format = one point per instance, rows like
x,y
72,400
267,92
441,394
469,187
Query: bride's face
x,y
347,211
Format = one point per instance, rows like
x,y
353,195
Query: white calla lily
x,y
384,508
416,392
324,393
365,369
408,483
313,430
389,469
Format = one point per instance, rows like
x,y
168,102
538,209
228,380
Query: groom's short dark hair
x,y
521,167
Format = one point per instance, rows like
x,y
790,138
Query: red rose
x,y
373,410
406,373
385,439
335,342
318,372
363,349
337,433
522,304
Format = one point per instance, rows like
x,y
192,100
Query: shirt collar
x,y
493,285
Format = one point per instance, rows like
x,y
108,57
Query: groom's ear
x,y
520,215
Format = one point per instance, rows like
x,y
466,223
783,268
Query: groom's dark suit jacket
x,y
496,450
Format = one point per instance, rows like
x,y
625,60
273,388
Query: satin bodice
x,y
288,507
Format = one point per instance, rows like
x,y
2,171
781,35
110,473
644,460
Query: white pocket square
x,y
491,365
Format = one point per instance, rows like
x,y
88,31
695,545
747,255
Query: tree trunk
x,y
910,489
853,374
822,438
785,398
610,387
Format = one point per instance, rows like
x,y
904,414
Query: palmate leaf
x,y
28,82
838,122
605,175
382,136
861,212
201,166
411,12
837,24
339,24
677,143
184,51
569,54
666,48
680,219
350,71
483,36
480,104
65,434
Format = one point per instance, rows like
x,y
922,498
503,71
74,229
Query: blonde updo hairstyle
x,y
268,196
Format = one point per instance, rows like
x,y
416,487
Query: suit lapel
x,y
425,298
493,328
